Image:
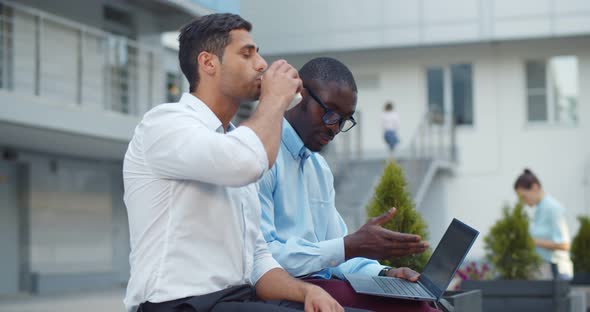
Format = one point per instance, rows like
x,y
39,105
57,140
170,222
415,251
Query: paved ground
x,y
107,300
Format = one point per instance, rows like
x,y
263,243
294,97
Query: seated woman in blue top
x,y
548,226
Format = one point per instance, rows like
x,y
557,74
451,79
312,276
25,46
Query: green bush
x,y
391,192
509,246
581,246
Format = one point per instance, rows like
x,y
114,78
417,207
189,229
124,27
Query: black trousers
x,y
237,298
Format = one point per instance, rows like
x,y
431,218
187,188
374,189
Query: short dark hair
x,y
388,106
207,33
526,180
327,69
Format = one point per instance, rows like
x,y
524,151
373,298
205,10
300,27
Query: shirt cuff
x,y
372,269
332,251
262,265
249,137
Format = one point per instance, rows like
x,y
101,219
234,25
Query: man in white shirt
x,y
194,214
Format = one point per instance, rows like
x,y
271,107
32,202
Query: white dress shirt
x,y
390,121
194,214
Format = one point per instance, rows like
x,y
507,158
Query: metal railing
x,y
52,57
434,138
433,144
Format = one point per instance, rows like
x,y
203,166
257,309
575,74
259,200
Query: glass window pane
x,y
535,74
2,18
462,92
536,91
537,108
173,82
434,76
563,79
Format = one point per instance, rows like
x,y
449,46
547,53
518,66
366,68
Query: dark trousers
x,y
237,298
346,296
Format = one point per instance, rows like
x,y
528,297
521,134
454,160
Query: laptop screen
x,y
449,254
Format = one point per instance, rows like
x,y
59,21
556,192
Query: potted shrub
x,y
509,246
580,252
391,191
511,251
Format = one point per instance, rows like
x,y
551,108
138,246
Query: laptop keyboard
x,y
402,287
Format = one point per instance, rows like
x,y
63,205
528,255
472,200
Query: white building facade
x,y
514,74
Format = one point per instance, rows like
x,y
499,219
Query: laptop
x,y
436,276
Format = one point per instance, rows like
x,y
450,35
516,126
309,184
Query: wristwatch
x,y
384,271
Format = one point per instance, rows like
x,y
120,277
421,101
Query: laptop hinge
x,y
429,286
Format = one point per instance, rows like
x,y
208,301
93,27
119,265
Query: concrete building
x,y
75,77
514,75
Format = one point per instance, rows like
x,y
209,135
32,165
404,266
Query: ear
x,y
305,101
208,62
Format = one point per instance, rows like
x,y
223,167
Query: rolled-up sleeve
x,y
263,260
186,149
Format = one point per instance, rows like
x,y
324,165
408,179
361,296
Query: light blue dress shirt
x,y
300,223
549,223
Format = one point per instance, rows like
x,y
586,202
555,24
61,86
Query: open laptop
x,y
437,274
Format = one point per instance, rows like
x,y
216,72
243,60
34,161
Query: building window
x,y
462,93
173,81
458,80
123,75
552,90
2,52
123,60
435,80
6,36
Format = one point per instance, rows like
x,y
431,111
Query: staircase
x,y
355,188
431,150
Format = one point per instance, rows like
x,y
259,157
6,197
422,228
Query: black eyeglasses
x,y
331,117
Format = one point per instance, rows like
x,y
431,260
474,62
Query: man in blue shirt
x,y
300,223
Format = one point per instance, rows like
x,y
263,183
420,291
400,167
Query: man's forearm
x,y
277,284
267,123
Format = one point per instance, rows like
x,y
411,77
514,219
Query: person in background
x,y
390,123
548,226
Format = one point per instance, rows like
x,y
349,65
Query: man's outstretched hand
x,y
375,242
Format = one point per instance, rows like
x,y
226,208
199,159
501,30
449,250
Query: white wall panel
x,y
71,216
24,52
451,10
522,8
291,27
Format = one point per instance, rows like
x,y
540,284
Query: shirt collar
x,y
293,142
206,114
